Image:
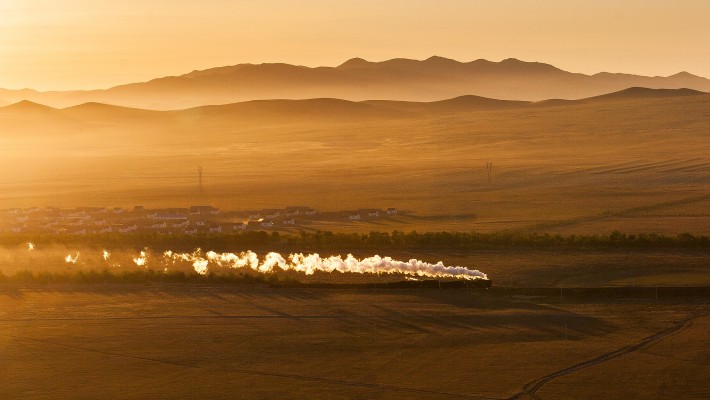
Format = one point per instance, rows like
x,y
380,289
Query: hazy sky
x,y
73,44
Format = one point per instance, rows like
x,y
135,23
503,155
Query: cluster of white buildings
x,y
97,220
191,220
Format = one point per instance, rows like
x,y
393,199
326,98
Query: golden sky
x,y
81,44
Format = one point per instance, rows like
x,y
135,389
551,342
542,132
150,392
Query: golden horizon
x,y
70,45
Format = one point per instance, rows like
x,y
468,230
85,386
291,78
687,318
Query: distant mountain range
x,y
435,78
316,110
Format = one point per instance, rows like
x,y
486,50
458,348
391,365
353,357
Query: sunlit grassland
x,y
579,168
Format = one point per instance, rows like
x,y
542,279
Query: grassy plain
x,y
250,341
627,162
255,342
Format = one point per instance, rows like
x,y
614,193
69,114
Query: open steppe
x,y
641,335
636,161
254,200
255,342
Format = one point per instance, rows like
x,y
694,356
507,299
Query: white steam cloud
x,y
309,264
306,264
142,259
71,260
198,263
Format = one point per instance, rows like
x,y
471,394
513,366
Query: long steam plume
x,y
309,264
71,260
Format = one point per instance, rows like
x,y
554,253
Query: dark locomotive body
x,y
439,284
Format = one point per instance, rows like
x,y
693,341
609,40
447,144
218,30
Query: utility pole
x,y
199,173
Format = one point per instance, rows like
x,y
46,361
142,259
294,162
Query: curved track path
x,y
531,388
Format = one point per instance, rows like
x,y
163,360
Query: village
x,y
194,220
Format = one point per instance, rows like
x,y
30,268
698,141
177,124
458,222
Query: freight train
x,y
408,284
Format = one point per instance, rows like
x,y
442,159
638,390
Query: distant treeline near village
x,y
373,241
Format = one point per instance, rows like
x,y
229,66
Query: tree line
x,y
373,241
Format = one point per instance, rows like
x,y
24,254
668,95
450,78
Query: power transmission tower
x,y
199,172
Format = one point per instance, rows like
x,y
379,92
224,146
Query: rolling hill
x,y
318,110
633,160
433,79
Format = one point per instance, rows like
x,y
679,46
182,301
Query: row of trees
x,y
412,241
141,276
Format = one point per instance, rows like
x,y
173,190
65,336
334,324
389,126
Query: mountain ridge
x,y
403,79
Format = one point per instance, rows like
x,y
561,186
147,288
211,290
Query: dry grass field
x,y
676,367
253,342
628,162
269,227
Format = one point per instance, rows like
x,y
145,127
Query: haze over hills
x,y
435,78
315,110
554,160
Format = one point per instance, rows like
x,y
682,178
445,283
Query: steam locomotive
x,y
441,284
